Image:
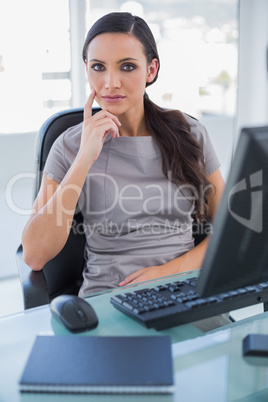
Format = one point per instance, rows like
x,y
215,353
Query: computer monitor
x,y
237,254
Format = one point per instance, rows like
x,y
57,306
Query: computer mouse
x,y
74,313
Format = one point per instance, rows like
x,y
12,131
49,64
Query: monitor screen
x,y
237,254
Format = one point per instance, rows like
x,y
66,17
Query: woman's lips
x,y
113,98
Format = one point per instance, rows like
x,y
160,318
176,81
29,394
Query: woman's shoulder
x,y
72,136
192,121
67,143
198,130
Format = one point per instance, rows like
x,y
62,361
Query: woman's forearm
x,y
189,261
48,228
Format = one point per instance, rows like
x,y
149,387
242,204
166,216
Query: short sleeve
x,y
211,160
200,133
63,153
55,166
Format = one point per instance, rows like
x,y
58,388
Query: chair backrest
x,y
49,132
63,274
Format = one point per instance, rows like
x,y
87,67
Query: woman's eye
x,y
98,67
128,67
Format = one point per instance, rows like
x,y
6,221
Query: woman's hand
x,y
145,274
95,130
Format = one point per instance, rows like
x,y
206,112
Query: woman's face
x,y
117,69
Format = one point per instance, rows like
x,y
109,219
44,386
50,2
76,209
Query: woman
x,y
138,172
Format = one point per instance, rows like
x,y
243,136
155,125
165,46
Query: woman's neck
x,y
134,126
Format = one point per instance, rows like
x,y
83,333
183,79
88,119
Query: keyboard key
x,y
190,282
168,303
192,304
174,289
212,299
192,297
191,292
148,308
129,305
139,310
141,291
159,288
181,294
242,291
202,302
263,285
181,299
119,298
250,289
233,293
224,296
160,299
178,283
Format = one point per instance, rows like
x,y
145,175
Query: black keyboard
x,y
177,303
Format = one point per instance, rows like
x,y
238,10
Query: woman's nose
x,y
112,81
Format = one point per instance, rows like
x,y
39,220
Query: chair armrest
x,y
34,287
201,230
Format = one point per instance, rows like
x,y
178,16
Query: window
x,y
34,62
197,43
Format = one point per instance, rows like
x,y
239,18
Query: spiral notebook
x,y
103,364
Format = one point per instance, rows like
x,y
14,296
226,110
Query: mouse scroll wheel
x,y
80,313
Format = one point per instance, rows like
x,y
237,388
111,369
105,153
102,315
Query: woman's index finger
x,y
88,105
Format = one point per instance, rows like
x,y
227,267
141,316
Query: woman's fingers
x,y
88,105
109,129
99,115
132,277
107,124
103,115
103,122
96,128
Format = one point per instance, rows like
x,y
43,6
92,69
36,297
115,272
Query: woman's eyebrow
x,y
98,61
127,59
119,61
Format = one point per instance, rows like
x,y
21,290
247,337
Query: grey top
x,y
133,216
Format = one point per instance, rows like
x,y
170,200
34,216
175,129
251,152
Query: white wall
x,y
221,133
17,158
252,104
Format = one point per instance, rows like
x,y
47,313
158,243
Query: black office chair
x,y
63,274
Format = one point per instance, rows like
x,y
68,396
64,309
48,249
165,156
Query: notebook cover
x,y
89,364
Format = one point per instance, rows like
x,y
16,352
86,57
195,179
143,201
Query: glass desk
x,y
207,367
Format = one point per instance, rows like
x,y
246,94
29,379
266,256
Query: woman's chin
x,y
111,108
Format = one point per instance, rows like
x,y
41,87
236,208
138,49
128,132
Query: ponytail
x,y
182,156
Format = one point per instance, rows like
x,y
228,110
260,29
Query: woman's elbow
x,y
32,260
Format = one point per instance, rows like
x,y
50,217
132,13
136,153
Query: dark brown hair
x,y
182,156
